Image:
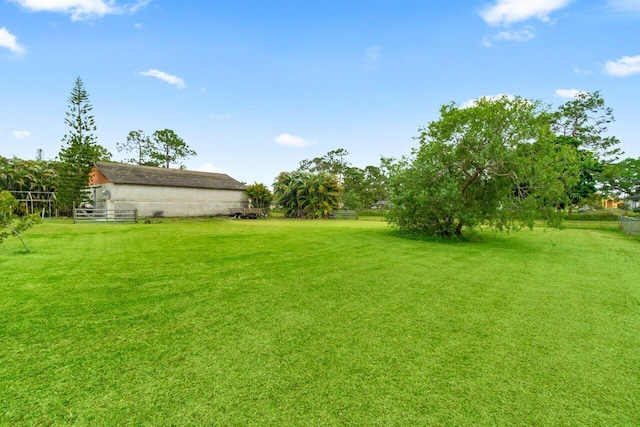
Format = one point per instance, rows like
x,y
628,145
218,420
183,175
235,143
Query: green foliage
x,y
361,187
307,195
10,224
602,215
622,179
141,145
79,151
259,196
334,162
28,175
586,120
168,148
494,163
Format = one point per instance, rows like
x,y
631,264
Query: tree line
x,y
502,163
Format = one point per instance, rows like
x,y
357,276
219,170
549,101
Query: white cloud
x,y
161,75
221,116
289,140
516,36
10,41
568,93
472,102
623,67
81,9
506,12
208,167
21,134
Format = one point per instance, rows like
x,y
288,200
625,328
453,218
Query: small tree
x,y
79,150
307,195
259,196
10,223
169,148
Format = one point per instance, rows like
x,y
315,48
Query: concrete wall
x,y
168,201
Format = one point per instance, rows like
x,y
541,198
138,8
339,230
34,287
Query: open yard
x,y
285,322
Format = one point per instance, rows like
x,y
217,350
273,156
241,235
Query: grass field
x,y
285,322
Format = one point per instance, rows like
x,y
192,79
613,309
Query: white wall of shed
x,y
153,201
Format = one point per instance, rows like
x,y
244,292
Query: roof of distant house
x,y
120,173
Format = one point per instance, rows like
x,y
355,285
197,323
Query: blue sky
x,y
256,86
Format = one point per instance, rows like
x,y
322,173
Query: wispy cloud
x,y
372,56
519,36
221,116
10,42
506,12
165,77
568,93
623,67
80,10
578,70
625,5
372,53
289,140
208,167
21,134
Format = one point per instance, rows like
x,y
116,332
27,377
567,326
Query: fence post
x,y
135,216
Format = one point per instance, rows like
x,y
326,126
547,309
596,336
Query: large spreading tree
x,y
80,150
495,163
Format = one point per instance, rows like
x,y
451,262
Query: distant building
x,y
157,192
633,202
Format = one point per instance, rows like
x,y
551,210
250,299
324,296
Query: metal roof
x,y
120,173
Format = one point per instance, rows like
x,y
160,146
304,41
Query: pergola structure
x,y
43,202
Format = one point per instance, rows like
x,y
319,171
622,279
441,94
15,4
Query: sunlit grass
x,y
297,322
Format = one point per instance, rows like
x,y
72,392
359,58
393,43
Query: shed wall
x,y
169,201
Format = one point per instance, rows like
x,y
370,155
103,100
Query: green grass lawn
x,y
285,322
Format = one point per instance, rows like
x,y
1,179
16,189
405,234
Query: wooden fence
x,y
105,215
630,225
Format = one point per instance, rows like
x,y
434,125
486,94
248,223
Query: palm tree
x,y
307,195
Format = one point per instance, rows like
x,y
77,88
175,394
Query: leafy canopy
x,y
493,163
259,196
307,195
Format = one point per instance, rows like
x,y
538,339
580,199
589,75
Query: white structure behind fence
x,y
630,225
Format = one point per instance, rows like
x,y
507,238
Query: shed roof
x,y
119,173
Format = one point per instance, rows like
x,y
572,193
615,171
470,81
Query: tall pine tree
x,y
79,150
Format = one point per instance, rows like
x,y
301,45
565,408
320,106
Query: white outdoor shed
x,y
163,192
